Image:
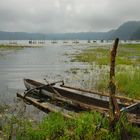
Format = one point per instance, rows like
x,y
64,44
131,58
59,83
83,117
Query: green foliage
x,y
3,108
128,83
55,127
16,127
84,129
127,80
97,55
128,54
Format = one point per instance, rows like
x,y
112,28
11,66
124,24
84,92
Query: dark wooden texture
x,y
114,110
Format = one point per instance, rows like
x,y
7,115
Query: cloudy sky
x,y
53,16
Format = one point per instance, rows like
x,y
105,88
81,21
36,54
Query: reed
x,y
127,80
128,83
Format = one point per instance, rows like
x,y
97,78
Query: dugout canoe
x,y
84,99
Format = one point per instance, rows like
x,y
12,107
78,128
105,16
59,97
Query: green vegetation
x,y
13,47
55,127
93,55
127,81
10,46
127,72
128,54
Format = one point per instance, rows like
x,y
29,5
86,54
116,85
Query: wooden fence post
x,y
114,111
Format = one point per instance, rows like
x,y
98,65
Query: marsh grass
x,y
127,75
15,47
127,82
92,55
128,54
11,46
55,127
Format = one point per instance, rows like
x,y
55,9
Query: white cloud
x,y
66,15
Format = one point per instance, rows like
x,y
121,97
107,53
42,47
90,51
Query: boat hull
x,y
88,99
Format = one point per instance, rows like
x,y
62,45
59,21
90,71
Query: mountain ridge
x,y
126,31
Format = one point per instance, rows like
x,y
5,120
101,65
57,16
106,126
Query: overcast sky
x,y
53,16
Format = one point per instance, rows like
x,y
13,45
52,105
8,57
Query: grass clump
x,y
55,127
127,82
93,55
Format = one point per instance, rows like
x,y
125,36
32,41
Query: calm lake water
x,y
50,61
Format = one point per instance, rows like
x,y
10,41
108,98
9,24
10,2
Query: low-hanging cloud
x,y
53,16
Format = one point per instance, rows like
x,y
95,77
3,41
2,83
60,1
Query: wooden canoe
x,y
71,101
83,99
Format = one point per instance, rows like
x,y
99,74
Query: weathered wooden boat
x,y
78,100
75,96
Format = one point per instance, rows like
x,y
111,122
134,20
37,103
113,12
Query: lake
x,y
49,61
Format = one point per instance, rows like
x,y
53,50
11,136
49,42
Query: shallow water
x,y
50,61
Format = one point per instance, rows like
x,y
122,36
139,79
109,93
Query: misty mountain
x,y
20,36
128,30
136,34
58,36
80,36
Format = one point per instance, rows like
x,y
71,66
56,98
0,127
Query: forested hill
x,y
128,30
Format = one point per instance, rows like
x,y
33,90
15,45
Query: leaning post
x,y
114,111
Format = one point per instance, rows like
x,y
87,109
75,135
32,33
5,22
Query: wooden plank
x,y
47,106
130,108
